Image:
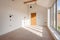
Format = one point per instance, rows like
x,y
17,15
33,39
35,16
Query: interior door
x,y
33,19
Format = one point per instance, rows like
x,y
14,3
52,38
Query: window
x,y
58,15
52,16
55,16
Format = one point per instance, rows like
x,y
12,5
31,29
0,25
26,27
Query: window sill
x,y
54,33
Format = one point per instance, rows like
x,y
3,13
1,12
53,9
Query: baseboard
x,y
9,31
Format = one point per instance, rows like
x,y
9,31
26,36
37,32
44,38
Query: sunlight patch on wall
x,y
25,22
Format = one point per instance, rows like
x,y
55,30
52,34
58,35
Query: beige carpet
x,y
23,34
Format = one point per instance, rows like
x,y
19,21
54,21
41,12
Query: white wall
x,y
15,8
19,11
41,14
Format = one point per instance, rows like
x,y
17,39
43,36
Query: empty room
x,y
29,19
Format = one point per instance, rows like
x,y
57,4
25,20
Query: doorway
x,y
33,19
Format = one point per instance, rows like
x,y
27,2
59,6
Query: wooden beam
x,y
29,1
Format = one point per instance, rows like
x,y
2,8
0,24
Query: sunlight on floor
x,y
36,30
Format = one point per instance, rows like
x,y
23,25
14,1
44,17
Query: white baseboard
x,y
2,33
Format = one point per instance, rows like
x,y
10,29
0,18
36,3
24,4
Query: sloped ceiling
x,y
44,3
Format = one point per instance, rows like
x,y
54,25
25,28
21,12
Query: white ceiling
x,y
44,3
